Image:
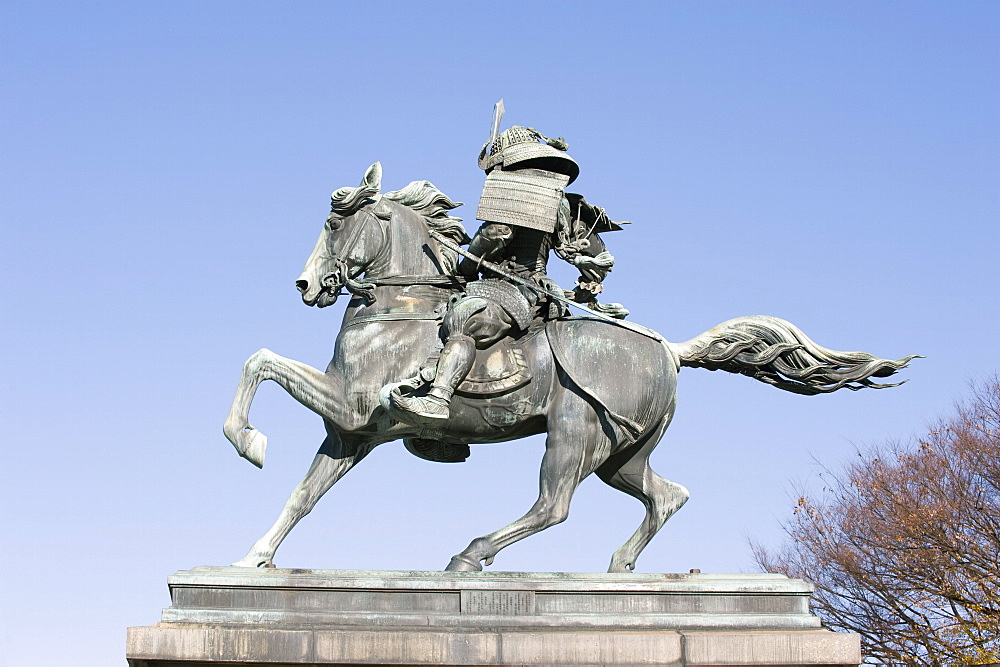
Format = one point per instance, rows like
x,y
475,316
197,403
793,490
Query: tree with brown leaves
x,y
904,545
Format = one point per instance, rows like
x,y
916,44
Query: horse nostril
x,y
302,285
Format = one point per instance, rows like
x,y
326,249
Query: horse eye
x,y
333,224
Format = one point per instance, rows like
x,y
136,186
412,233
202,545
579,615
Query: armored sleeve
x,y
488,243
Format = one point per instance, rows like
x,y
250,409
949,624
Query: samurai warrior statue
x,y
526,213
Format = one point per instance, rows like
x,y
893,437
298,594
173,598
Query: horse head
x,y
379,235
350,241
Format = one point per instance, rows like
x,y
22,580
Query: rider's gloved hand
x,y
556,308
468,269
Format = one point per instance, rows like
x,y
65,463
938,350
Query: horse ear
x,y
383,209
373,177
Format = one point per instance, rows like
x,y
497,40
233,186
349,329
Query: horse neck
x,y
408,248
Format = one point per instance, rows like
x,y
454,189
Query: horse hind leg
x,y
629,471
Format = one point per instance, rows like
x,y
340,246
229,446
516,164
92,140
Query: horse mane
x,y
347,201
433,205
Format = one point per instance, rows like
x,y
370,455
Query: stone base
x,y
282,618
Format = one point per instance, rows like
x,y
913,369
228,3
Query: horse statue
x,y
602,393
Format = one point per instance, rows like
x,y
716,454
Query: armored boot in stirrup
x,y
456,360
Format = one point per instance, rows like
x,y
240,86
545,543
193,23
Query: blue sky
x,y
166,168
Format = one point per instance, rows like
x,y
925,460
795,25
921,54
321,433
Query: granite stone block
x,y
277,617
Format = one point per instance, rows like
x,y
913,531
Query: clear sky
x,y
166,168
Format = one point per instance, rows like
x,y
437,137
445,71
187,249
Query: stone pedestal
x,y
282,618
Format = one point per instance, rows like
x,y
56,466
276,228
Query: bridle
x,y
340,278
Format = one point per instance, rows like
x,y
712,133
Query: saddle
x,y
502,368
498,369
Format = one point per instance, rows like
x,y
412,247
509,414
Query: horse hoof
x,y
256,444
463,563
620,567
254,562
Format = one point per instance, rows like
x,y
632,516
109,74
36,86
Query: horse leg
x,y
629,471
314,389
331,463
568,459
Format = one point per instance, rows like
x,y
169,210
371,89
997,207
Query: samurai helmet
x,y
521,148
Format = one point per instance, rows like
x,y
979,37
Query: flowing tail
x,y
774,351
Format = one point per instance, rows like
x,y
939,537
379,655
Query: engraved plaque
x,y
498,603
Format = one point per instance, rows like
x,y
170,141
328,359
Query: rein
x,y
364,289
358,288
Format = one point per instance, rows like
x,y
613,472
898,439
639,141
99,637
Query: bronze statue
x,y
445,347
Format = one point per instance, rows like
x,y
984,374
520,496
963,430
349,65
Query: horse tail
x,y
777,352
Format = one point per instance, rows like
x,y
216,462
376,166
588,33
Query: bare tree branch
x,y
904,544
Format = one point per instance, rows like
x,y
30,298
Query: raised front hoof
x,y
248,441
254,446
463,563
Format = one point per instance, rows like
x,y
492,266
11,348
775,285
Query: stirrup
x,y
426,407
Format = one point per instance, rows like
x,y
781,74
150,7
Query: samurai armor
x,y
522,198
